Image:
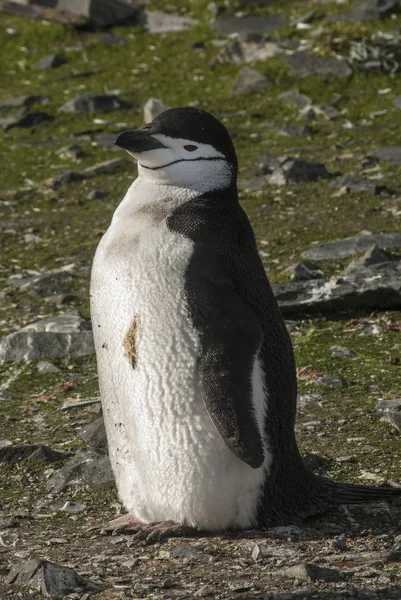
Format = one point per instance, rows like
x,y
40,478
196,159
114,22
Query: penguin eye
x,y
190,148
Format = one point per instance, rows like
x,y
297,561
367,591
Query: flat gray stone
x,y
341,352
353,245
23,101
373,256
360,185
105,168
32,119
68,323
45,368
240,52
87,468
372,288
43,285
52,579
250,81
310,572
100,13
303,63
64,179
249,25
390,153
33,346
161,22
16,452
94,434
290,130
190,552
304,271
336,381
294,96
90,103
51,61
372,10
389,405
297,170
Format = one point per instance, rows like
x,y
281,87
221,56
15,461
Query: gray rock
x,y
315,463
68,323
353,245
73,151
152,109
105,168
94,434
372,10
52,579
64,179
309,400
105,140
339,543
97,194
112,39
250,80
90,103
32,119
303,63
371,288
359,185
390,153
51,61
45,368
15,453
160,22
310,572
297,170
291,533
391,412
373,256
23,101
87,468
100,13
294,96
393,418
43,285
290,130
304,271
397,102
190,552
239,52
336,381
341,352
249,25
33,346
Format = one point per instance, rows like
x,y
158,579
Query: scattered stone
x,y
97,194
303,63
373,256
269,550
309,400
68,323
95,403
72,507
152,109
52,579
397,102
32,119
73,151
32,346
86,468
297,170
294,96
353,245
250,80
100,13
349,184
64,179
23,101
372,10
328,111
239,52
45,368
190,553
374,329
290,130
43,285
336,381
160,22
391,412
51,61
303,271
94,434
341,352
105,140
249,25
390,153
310,572
105,168
15,453
112,39
339,543
90,103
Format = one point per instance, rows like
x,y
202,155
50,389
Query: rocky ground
x,y
311,93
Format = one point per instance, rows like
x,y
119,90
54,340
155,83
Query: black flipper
x,y
349,493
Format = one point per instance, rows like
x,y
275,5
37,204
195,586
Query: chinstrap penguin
x,y
196,368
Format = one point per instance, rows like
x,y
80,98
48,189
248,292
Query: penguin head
x,y
184,147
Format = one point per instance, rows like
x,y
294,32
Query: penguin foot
x,y
156,532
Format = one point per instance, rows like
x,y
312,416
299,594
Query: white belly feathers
x,y
169,461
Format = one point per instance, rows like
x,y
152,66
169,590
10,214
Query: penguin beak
x,y
137,141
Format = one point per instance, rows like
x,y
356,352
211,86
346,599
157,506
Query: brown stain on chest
x,y
129,343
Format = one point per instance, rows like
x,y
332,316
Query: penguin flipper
x,y
229,345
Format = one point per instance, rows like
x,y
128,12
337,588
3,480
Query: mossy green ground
x,y
69,225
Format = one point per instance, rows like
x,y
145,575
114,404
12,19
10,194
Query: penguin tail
x,y
349,493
